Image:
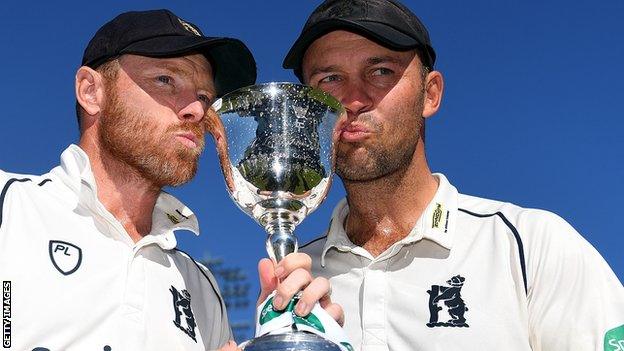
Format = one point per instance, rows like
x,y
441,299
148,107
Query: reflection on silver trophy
x,y
275,143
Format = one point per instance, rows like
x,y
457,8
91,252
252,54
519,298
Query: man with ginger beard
x,y
129,134
87,251
415,264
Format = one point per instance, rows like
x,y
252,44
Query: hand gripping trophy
x,y
275,143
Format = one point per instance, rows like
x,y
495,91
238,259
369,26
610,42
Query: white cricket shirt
x,y
474,274
73,279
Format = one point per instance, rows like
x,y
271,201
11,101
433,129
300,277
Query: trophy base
x,y
295,341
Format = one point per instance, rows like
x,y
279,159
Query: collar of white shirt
x,y
169,213
437,223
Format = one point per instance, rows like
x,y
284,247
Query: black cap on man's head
x,y
160,33
386,22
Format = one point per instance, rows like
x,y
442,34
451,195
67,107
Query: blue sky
x,y
532,112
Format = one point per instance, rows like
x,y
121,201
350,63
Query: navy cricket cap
x,y
386,22
160,33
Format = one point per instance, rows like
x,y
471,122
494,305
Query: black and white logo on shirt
x,y
450,296
182,308
66,257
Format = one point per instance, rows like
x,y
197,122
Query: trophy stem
x,y
281,240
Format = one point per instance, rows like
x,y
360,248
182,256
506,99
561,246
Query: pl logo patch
x,y
182,306
450,297
65,257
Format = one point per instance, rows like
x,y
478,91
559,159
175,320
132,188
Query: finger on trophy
x,y
292,262
334,310
268,280
315,291
290,286
270,273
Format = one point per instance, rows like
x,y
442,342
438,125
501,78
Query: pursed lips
x,y
354,132
187,138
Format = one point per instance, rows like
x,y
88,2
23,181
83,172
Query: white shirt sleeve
x,y
574,298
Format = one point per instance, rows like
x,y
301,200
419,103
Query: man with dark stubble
x,y
415,264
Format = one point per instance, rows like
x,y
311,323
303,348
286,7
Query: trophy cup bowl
x,y
275,143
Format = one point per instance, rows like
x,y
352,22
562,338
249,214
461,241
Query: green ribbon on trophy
x,y
270,321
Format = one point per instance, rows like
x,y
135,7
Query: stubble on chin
x,y
369,164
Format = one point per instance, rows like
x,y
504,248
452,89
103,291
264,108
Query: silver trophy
x,y
275,143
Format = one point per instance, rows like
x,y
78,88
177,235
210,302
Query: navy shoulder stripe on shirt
x,y
214,288
321,238
516,236
5,190
313,241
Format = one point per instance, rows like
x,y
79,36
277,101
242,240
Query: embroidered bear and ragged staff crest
x,y
450,297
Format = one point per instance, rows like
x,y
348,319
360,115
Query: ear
x,y
433,93
89,90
